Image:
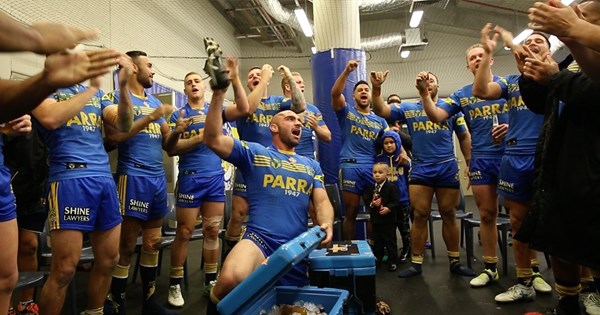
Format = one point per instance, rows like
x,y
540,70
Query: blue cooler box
x,y
349,266
257,294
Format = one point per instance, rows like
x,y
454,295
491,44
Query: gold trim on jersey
x,y
145,97
267,161
122,189
53,213
196,119
145,110
262,160
286,152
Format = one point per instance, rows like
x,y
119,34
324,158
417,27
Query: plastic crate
x,y
349,266
332,300
257,292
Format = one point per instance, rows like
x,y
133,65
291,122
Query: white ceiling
x,y
450,32
172,31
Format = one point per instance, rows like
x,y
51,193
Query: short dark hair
x,y
359,83
435,76
541,34
392,95
259,68
135,53
191,73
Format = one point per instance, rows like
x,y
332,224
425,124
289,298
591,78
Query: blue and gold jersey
x,y
1,150
306,147
199,159
524,124
359,132
141,155
76,148
432,142
478,114
255,127
279,186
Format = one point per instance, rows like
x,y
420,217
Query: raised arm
x,y
519,51
564,22
434,113
214,138
53,116
338,101
122,118
40,38
125,110
379,106
260,90
570,26
298,101
482,87
60,70
325,213
241,107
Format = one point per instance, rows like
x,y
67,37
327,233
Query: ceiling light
x,y
554,41
521,37
303,20
405,53
415,19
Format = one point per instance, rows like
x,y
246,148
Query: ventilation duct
x,y
281,14
381,42
378,6
287,16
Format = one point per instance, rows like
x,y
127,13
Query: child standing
x,y
389,150
383,204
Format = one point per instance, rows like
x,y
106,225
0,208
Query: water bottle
x,y
495,123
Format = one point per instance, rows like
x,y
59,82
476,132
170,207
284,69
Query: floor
x,y
437,291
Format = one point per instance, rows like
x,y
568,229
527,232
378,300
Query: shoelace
x,y
175,291
514,289
32,308
594,298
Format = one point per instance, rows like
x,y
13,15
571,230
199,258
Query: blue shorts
x,y
298,276
441,175
83,204
355,179
143,197
484,171
516,177
193,189
8,208
239,186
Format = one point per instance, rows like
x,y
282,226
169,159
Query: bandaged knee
x,y
211,227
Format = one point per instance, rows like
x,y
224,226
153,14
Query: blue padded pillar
x,y
326,66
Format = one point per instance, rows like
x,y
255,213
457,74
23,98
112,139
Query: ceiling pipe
x,y
378,6
381,41
494,6
287,16
265,16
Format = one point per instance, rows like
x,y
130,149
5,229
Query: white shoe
x,y
484,278
539,284
591,302
517,292
175,298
